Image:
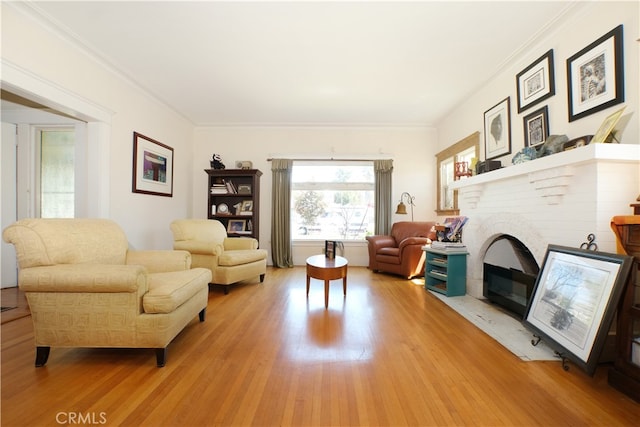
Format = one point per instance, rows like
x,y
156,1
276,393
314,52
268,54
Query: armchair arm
x,y
239,243
412,241
198,247
160,261
381,241
84,278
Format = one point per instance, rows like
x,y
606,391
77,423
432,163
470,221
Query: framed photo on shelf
x,y
152,166
236,225
574,300
536,127
595,76
247,207
607,126
536,82
497,130
244,189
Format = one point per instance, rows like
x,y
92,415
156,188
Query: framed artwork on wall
x,y
595,76
497,130
574,301
152,166
536,127
536,82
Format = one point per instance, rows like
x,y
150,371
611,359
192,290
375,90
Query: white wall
x,y
412,150
588,22
55,62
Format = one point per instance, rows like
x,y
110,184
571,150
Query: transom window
x,y
332,200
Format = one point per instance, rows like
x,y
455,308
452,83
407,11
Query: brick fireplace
x,y
558,199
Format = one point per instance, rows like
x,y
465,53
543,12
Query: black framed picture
x,y
595,76
536,127
497,130
536,82
574,300
152,166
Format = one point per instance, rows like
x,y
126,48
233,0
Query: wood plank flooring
x,y
389,354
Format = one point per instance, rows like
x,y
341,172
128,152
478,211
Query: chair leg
x,y
161,356
202,314
226,290
262,278
42,355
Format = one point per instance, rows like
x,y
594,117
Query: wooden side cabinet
x,y
625,373
234,200
446,272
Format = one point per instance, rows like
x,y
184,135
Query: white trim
x,y
24,83
30,86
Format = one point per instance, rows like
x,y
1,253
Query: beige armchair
x,y
230,259
85,288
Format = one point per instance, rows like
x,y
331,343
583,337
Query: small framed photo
x,y
607,126
536,82
247,207
152,166
244,189
536,127
595,76
236,225
574,301
497,130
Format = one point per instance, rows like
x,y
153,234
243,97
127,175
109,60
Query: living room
x,y
124,109
44,65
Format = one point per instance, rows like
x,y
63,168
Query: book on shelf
x,y
444,245
231,188
449,247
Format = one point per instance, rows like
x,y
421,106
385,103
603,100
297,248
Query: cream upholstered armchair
x,y
230,259
85,288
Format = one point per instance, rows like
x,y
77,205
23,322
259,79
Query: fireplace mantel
x,y
557,199
563,160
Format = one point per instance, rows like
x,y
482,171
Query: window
x,y
462,151
332,200
56,183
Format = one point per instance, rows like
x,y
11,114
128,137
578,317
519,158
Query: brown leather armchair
x,y
401,252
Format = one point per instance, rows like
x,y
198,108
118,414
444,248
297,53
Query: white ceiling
x,y
287,63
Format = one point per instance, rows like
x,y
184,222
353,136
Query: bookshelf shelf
x,y
234,200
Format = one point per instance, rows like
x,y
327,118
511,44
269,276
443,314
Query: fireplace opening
x,y
509,274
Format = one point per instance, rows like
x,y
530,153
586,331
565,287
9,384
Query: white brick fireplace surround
x,y
558,199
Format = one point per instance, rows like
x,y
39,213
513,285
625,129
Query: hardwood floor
x,y
389,354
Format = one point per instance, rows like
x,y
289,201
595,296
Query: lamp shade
x,y
402,209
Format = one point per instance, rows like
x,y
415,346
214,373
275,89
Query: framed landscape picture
x,y
152,166
574,300
595,76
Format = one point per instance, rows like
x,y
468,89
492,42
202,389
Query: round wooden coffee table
x,y
322,268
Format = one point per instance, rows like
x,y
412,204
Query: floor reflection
x,y
343,332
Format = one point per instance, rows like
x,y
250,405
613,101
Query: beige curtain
x,y
383,170
281,252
